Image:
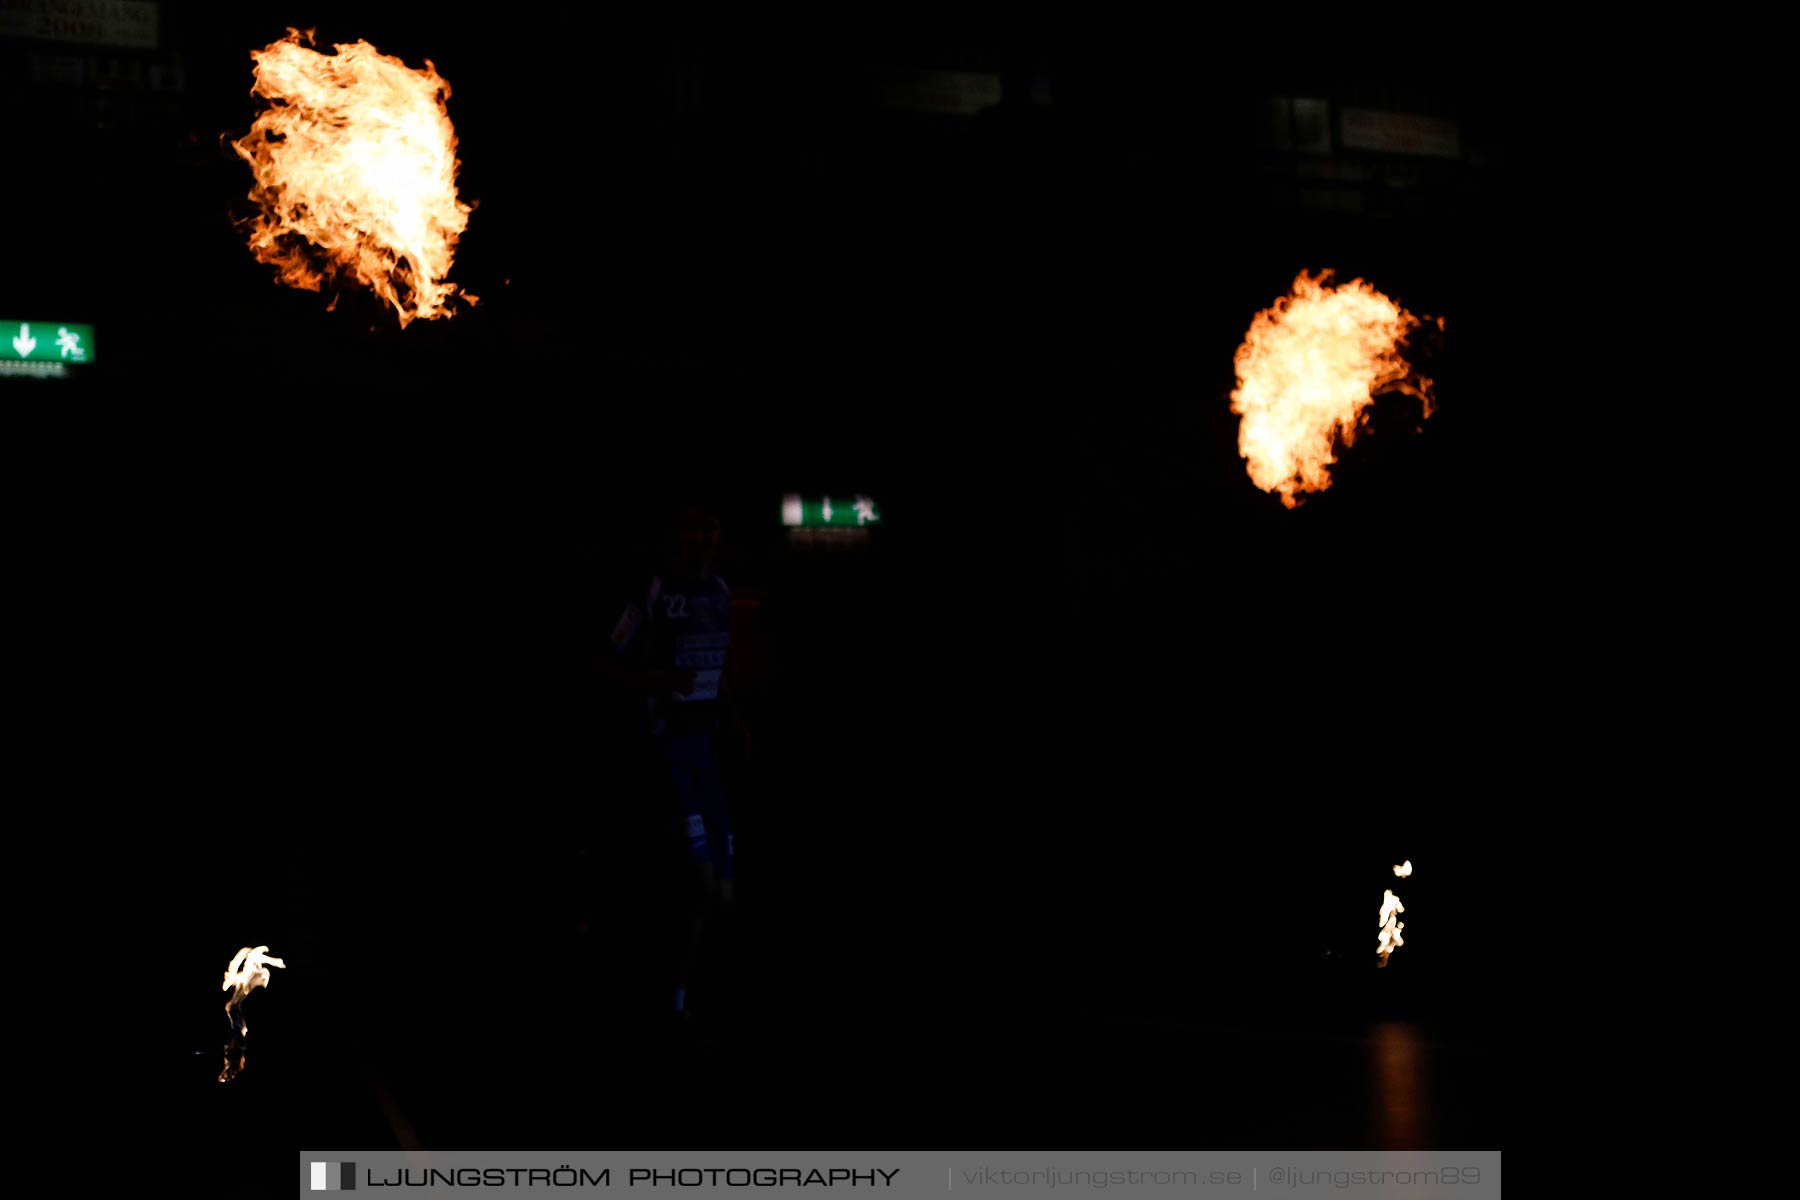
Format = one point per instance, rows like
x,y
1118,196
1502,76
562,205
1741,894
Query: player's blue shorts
x,y
699,790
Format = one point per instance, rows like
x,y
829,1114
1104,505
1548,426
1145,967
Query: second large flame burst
x,y
355,165
1308,369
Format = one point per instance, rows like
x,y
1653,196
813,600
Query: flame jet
x,y
1391,925
355,165
1309,367
248,970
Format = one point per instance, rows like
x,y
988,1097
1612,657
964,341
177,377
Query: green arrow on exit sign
x,y
46,341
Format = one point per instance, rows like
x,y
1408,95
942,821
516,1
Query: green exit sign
x,y
807,512
46,342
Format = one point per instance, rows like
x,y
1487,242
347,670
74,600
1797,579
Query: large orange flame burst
x,y
1307,372
355,165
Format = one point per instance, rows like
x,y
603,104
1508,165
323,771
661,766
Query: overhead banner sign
x,y
1399,133
955,92
130,24
46,342
799,512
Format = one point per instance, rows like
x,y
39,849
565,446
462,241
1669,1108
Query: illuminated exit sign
x,y
46,342
799,512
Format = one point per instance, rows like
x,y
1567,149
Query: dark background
x,y
1076,788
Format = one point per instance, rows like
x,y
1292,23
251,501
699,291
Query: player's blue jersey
x,y
681,625
685,625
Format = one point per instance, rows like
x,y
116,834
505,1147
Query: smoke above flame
x,y
355,164
1307,371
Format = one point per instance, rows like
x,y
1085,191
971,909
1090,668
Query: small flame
x,y
248,970
1404,869
355,166
1391,925
1307,371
